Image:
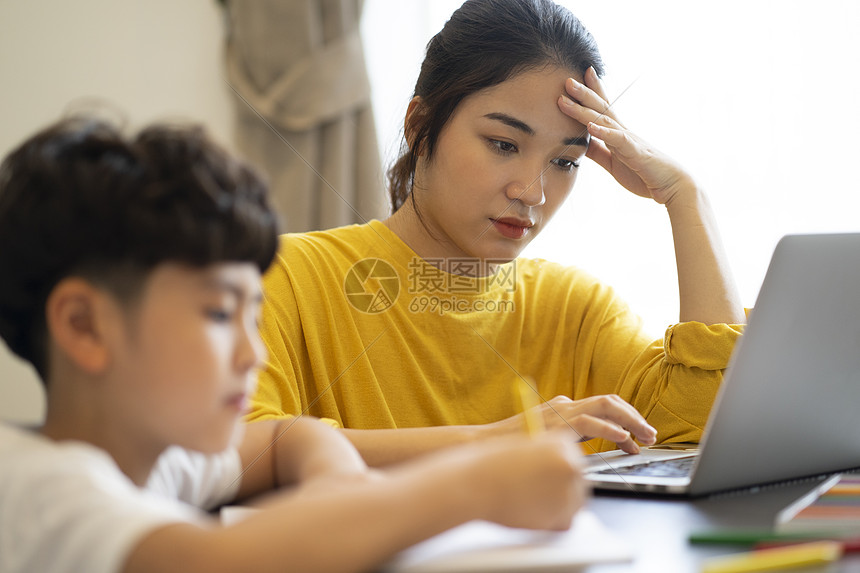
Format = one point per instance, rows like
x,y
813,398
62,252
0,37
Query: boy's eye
x,y
218,314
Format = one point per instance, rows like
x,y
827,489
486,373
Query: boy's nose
x,y
250,350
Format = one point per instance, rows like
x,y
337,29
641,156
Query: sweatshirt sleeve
x,y
671,381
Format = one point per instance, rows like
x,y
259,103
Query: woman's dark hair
x,y
483,44
80,199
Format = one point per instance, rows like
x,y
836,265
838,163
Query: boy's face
x,y
185,355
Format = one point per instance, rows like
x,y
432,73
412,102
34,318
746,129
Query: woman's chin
x,y
504,251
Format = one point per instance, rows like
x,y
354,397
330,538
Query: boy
x,y
130,278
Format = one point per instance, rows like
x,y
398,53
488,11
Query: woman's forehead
x,y
530,96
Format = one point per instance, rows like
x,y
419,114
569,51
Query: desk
x,y
657,528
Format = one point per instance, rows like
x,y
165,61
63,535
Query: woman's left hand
x,y
636,165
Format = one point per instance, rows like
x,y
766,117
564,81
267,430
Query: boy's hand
x,y
528,482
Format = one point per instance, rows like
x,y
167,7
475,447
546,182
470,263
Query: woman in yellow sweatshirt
x,y
409,332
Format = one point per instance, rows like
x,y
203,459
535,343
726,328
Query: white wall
x,y
152,59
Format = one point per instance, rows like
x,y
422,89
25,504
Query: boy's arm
x,y
361,524
278,453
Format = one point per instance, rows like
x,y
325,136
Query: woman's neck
x,y
431,243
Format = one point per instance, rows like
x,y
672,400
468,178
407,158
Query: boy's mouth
x,y
238,401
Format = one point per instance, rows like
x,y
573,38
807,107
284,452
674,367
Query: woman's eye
x,y
503,147
566,164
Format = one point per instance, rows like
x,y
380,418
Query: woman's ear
x,y
415,118
76,314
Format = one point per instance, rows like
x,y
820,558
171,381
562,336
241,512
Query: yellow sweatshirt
x,y
361,330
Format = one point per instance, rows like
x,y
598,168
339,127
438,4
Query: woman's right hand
x,y
606,416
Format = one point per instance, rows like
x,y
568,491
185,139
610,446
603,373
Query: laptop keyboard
x,y
680,467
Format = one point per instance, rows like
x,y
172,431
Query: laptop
x,y
789,404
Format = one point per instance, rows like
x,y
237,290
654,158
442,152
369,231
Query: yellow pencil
x,y
529,400
791,556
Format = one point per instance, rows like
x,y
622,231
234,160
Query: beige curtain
x,y
303,108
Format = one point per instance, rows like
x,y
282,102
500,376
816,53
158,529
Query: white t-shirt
x,y
67,507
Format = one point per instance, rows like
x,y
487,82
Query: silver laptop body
x,y
789,405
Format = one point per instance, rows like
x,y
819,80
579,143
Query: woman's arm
x,y
358,525
706,287
607,417
707,290
383,447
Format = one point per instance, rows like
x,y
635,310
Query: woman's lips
x,y
512,228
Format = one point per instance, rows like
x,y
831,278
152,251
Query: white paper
x,y
482,546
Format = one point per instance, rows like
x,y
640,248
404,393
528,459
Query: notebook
x,y
833,506
483,547
788,404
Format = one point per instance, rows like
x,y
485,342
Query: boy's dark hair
x,y
484,43
81,199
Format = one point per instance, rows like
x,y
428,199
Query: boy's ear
x,y
76,313
415,117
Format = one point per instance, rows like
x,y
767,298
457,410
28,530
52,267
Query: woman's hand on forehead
x,y
635,164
